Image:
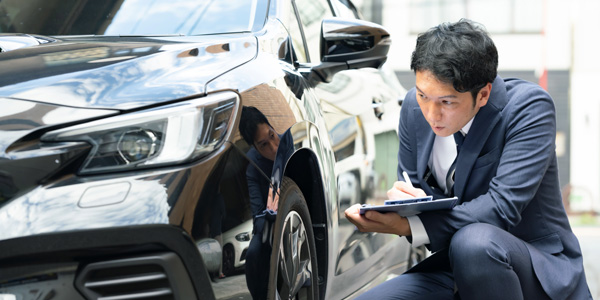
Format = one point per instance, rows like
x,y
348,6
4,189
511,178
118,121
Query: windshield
x,y
129,17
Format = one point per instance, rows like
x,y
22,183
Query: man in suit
x,y
509,237
264,141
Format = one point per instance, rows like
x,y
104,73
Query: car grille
x,y
151,277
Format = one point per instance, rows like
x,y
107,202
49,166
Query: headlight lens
x,y
243,237
136,145
170,134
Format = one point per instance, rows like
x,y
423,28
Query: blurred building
x,y
550,42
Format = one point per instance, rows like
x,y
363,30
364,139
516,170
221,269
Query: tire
x,y
293,273
228,260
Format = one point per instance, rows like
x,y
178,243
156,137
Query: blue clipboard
x,y
412,208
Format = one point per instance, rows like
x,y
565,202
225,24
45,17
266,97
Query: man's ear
x,y
484,95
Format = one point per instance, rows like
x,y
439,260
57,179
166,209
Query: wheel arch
x,y
303,168
228,247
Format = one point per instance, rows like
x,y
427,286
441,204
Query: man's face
x,y
445,109
266,141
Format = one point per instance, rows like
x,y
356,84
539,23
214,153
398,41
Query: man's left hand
x,y
373,221
273,200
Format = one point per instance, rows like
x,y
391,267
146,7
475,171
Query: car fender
x,y
311,166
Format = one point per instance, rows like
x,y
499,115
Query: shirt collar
x,y
465,129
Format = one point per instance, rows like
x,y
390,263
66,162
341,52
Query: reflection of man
x,y
510,237
259,134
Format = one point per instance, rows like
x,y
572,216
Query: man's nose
x,y
273,145
434,112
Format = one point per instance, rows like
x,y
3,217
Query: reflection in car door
x,y
347,103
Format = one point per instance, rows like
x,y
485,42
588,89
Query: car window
x,y
293,26
311,13
130,17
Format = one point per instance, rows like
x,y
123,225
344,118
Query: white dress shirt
x,y
441,158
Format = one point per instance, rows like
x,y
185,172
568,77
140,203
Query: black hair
x,y
251,118
460,53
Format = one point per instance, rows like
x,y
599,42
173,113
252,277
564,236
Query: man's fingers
x,y
275,204
352,210
352,213
373,216
395,194
276,200
272,200
407,189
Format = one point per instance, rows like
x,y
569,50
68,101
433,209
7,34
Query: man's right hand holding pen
x,y
404,189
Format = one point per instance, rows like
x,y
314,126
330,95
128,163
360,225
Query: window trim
x,y
301,31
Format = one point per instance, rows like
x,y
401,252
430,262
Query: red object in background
x,y
543,81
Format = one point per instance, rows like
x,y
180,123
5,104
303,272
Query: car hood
x,y
120,72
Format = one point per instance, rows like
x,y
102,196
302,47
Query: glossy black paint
x,y
120,73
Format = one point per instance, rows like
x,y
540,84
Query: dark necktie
x,y
458,138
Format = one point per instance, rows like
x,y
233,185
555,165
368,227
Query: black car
x,y
122,164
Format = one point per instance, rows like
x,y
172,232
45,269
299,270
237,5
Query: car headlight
x,y
169,134
243,237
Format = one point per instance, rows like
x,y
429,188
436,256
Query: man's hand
x,y
403,190
273,201
373,221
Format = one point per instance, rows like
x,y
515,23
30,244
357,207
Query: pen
x,y
406,178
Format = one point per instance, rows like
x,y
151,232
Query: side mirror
x,y
350,44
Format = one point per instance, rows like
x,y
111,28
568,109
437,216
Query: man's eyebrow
x,y
261,141
446,96
418,89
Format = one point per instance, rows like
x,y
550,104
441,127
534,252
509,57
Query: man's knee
x,y
473,244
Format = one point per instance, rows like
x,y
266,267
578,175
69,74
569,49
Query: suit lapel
x,y
483,124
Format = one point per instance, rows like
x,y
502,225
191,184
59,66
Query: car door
x,y
361,111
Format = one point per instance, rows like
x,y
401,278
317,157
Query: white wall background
x,y
585,104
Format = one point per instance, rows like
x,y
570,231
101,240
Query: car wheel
x,y
417,255
293,273
228,260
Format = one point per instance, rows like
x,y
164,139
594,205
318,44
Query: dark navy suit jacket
x,y
506,176
258,184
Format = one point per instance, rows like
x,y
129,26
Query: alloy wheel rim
x,y
294,263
